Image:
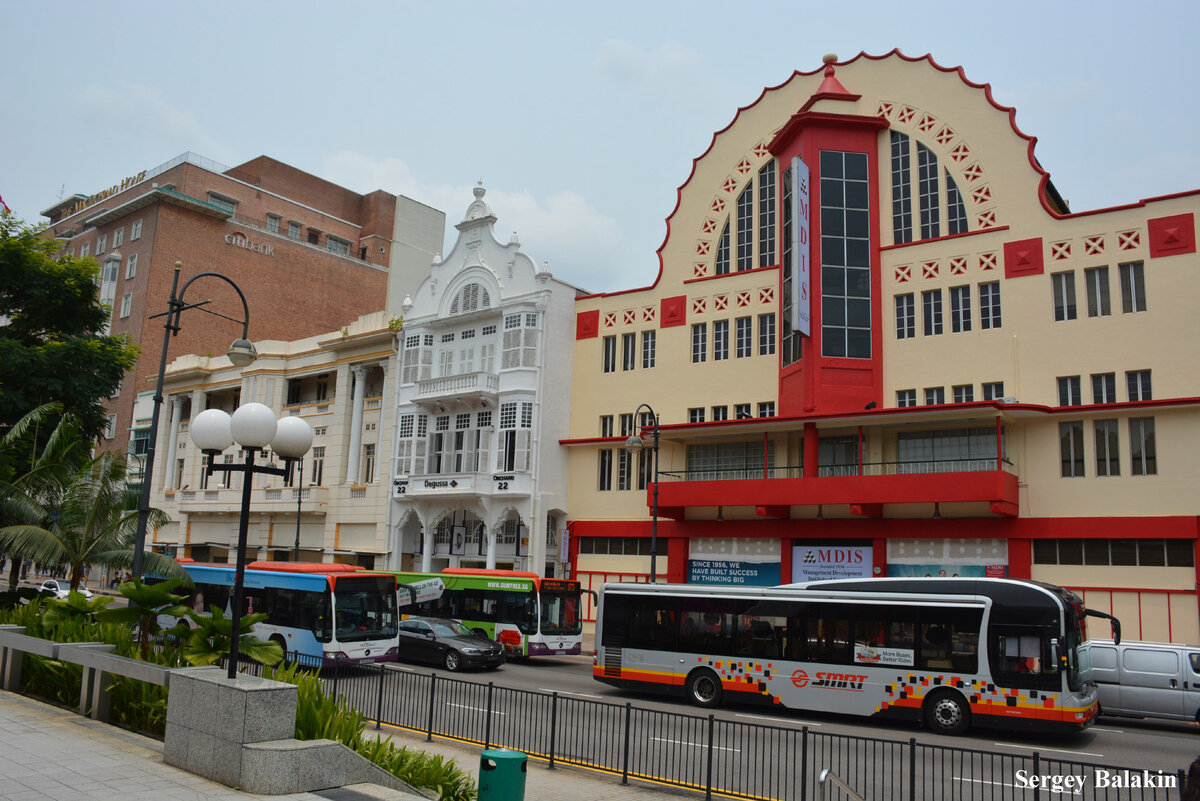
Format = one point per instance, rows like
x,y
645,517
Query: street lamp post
x,y
635,445
254,427
299,500
241,353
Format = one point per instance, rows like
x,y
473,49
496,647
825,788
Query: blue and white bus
x,y
318,611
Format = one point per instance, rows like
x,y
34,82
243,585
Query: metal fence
x,y
717,757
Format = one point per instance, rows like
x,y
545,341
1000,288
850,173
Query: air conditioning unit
x,y
1009,399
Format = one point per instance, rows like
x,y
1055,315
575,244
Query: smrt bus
x,y
952,652
528,614
318,611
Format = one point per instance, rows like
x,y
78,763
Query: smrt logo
x,y
800,678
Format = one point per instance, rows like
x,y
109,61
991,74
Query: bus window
x,y
825,632
312,613
949,640
1022,659
707,626
760,637
885,635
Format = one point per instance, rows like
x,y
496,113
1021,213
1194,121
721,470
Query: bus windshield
x,y
364,608
560,612
1079,657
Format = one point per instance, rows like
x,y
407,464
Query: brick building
x,y
308,255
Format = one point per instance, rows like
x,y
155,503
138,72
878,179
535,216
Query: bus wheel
x,y
278,640
704,688
947,713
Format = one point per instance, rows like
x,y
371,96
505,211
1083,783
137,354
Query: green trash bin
x,y
502,775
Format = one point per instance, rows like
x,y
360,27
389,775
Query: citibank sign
x,y
239,241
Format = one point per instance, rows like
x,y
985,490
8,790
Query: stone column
x,y
427,550
353,456
172,454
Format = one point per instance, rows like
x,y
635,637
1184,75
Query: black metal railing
x,y
706,754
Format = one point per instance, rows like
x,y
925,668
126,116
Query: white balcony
x,y
458,485
465,387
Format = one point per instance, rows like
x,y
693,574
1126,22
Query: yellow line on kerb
x,y
592,768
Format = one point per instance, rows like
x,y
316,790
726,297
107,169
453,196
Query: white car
x,y
62,589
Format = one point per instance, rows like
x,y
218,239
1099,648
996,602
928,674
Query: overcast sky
x,y
582,119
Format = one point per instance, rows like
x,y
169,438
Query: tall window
x,y
791,341
845,255
1070,439
993,390
989,305
606,455
745,233
1142,450
628,351
1104,388
720,340
318,466
935,396
956,212
964,393
648,345
294,229
1108,454
745,337
1069,392
766,215
624,457
766,334
519,344
901,190
610,354
928,192
1137,383
126,304
931,308
119,237
1063,285
721,264
960,309
699,343
368,473
1097,291
418,358
135,230
1133,288
906,397
906,316
131,266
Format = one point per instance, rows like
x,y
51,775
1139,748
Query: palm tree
x,y
88,516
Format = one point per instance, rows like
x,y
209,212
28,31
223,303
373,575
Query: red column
x,y
1020,559
812,457
677,559
785,561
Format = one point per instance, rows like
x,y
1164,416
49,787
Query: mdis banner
x,y
824,562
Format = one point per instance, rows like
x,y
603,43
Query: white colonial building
x,y
479,477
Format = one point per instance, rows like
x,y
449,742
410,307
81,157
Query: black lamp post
x,y
254,427
634,445
299,500
241,353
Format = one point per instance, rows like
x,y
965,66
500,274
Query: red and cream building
x,y
880,343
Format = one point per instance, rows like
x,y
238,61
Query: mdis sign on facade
x,y
823,562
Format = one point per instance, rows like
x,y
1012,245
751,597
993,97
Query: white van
x,y
1147,679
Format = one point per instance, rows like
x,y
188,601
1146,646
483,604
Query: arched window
x,y
472,298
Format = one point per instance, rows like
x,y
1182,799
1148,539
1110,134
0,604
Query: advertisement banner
x,y
948,571
712,571
824,562
868,655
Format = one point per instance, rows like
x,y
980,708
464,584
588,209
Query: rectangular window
x,y
135,230
126,304
928,192
744,337
720,413
649,339
901,190
1133,288
745,228
339,246
964,393
294,229
1097,291
989,305
273,221
628,351
85,249
720,340
960,308
605,470
606,425
1069,391
935,396
906,397
1070,439
368,474
845,255
610,354
118,237
906,316
1104,388
956,210
222,202
766,215
699,343
931,307
1108,454
110,426
993,391
766,409
696,415
131,267
1063,285
101,243
1142,450
1137,382
742,412
766,334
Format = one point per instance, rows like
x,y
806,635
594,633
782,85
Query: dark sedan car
x,y
447,643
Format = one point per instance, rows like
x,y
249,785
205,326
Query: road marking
x,y
1059,750
778,720
581,695
475,708
695,745
1102,728
981,781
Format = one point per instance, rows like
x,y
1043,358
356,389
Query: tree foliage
x,y
53,347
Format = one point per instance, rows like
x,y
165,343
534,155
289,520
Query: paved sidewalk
x,y
53,754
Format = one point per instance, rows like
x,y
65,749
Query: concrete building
x,y
880,343
479,477
308,254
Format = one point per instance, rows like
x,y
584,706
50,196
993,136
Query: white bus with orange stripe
x,y
952,652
